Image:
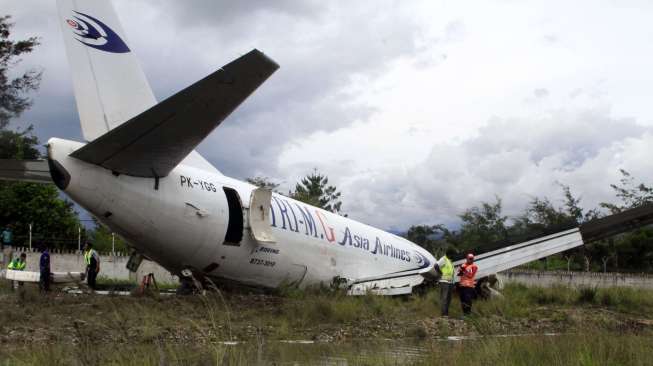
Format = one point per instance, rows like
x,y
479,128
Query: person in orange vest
x,y
466,286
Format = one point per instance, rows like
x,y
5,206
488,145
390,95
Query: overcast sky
x,y
416,110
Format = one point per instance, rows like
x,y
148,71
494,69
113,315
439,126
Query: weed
x,y
587,295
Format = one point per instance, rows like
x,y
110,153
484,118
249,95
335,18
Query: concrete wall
x,y
112,266
577,279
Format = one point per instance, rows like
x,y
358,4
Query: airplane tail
x,y
110,87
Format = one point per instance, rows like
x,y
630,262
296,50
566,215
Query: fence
x,y
578,279
112,265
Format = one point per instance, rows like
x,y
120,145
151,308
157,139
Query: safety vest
x,y
447,270
468,272
17,265
90,254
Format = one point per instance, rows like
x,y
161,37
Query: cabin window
x,y
235,226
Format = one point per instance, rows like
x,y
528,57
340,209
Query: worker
x,y
92,260
44,269
18,264
445,267
467,284
7,236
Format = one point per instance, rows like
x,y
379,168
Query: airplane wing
x,y
35,171
511,256
505,257
515,255
155,141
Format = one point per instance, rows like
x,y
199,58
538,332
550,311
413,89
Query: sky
x,y
414,110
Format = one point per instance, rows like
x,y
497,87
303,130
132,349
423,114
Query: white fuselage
x,y
182,222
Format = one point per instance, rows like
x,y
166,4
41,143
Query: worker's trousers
x,y
445,297
91,276
44,281
466,297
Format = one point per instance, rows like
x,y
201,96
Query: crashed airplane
x,y
139,175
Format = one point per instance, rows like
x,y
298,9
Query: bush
x,y
587,295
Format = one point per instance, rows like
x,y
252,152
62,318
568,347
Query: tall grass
x,y
90,330
586,349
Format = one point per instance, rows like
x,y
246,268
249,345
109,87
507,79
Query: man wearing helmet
x,y
466,289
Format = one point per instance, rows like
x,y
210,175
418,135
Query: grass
x,y
114,284
188,330
585,349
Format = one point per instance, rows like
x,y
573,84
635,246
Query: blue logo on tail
x,y
94,33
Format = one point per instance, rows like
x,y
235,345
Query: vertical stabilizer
x,y
110,87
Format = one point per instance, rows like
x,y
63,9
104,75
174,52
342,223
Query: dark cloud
x,y
319,59
321,48
218,13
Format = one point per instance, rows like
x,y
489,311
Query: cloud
x,y
415,110
515,159
541,92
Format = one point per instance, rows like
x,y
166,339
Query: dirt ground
x,y
60,318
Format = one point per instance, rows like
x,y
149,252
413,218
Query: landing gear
x,y
487,287
188,284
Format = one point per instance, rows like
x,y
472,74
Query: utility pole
x,y
30,237
113,244
79,238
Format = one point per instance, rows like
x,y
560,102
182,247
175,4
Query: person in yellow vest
x,y
445,267
92,260
18,264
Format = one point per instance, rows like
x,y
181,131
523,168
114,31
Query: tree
x,y
24,204
632,250
483,225
263,182
103,240
630,194
13,101
314,190
432,238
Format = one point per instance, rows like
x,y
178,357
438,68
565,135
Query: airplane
x,y
138,173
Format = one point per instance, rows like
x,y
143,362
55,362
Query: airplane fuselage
x,y
199,220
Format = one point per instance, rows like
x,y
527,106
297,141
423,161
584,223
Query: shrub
x,y
587,295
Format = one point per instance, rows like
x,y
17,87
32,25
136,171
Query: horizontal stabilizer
x,y
154,142
36,171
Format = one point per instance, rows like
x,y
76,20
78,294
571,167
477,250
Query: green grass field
x,y
591,327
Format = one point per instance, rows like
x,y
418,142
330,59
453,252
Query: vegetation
x,y
487,227
105,241
263,182
591,326
315,190
21,204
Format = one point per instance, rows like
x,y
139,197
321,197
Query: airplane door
x,y
259,216
235,226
